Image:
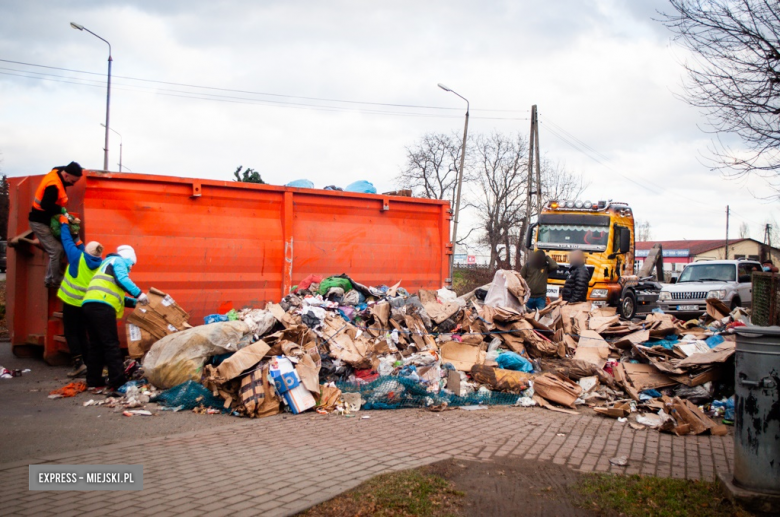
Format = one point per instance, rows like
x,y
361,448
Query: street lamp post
x,y
120,145
108,89
460,179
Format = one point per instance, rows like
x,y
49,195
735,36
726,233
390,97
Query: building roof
x,y
694,247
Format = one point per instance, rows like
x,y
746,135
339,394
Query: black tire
x,y
735,302
628,305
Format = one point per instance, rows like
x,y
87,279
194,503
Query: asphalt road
x,y
33,424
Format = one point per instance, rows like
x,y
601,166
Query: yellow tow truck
x,y
604,230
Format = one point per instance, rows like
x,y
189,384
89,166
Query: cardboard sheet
x,y
719,354
463,357
242,360
646,377
557,389
592,348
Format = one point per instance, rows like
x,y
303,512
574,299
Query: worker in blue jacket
x,y
83,262
104,303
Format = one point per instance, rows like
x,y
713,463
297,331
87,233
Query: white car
x,y
730,281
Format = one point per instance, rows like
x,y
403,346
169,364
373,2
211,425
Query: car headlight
x,y
717,293
599,293
664,296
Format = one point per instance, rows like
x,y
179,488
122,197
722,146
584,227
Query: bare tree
x,y
431,168
501,174
744,230
501,166
734,77
642,230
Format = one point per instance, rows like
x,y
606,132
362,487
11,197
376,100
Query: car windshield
x,y
708,273
573,236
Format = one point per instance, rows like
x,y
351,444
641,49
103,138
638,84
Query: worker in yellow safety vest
x,y
83,263
104,303
50,200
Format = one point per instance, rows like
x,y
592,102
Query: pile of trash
x,y
336,345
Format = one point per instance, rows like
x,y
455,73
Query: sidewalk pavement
x,y
284,464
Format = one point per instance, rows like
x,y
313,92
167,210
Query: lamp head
x,y
77,26
444,88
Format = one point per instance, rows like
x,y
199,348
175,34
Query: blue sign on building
x,y
667,253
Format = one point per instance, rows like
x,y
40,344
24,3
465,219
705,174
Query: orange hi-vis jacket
x,y
52,178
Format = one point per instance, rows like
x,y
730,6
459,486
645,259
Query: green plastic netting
x,y
189,395
397,392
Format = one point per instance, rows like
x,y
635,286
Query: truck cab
x,y
604,231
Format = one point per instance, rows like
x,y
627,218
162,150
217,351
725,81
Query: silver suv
x,y
727,280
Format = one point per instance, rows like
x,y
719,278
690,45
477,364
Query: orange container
x,y
215,244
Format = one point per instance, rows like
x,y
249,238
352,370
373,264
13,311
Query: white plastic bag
x,y
180,356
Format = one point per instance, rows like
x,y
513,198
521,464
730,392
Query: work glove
x,y
64,219
79,242
143,299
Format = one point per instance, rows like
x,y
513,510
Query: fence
x,y
766,299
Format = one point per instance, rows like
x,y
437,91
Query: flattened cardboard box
x,y
139,341
161,317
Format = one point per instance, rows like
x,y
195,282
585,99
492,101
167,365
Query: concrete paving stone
x,y
308,467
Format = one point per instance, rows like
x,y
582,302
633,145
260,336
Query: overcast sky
x,y
602,72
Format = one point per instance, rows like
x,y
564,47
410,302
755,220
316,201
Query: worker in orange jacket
x,y
50,200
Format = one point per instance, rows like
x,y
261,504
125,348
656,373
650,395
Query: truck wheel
x,y
735,302
628,305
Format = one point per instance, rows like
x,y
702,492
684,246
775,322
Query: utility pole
x,y
531,152
537,161
728,213
768,235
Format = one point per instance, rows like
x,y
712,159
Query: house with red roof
x,y
679,253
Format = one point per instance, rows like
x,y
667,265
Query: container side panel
x,y
372,245
221,248
215,244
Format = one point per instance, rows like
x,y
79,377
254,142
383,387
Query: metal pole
x,y
460,184
120,154
108,88
108,108
727,231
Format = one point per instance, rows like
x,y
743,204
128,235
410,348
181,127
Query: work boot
x,y
79,368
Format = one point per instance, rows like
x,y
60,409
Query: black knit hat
x,y
74,169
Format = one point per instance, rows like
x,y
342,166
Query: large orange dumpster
x,y
213,244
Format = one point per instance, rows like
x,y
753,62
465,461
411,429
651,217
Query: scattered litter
x,y
473,408
335,345
620,461
69,390
139,412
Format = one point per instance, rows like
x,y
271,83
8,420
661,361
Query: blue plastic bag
x,y
362,186
300,184
714,341
136,383
728,409
667,343
214,318
513,361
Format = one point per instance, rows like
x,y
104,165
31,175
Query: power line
x,y
227,98
581,150
582,147
320,99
